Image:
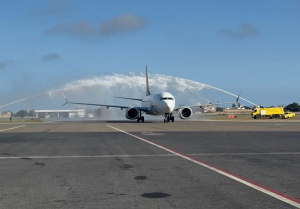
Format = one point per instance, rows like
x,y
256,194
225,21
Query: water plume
x,y
133,85
102,89
26,98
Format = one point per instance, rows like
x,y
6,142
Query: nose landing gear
x,y
168,118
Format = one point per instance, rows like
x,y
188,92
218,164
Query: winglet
x,y
237,101
65,98
147,83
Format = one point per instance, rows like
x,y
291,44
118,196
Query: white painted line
x,y
271,192
245,153
78,156
154,134
12,128
150,133
125,156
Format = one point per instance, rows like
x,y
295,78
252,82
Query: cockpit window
x,y
167,98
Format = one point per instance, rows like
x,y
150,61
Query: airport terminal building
x,y
77,113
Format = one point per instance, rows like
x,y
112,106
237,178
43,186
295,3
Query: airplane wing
x,y
202,105
143,109
209,104
101,105
185,112
129,98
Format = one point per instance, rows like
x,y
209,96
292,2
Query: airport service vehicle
x,y
268,112
287,115
162,103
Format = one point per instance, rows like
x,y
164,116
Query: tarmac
x,y
124,164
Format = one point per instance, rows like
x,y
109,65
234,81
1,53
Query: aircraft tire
x,y
172,119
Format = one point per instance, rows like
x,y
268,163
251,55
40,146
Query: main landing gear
x,y
168,118
140,118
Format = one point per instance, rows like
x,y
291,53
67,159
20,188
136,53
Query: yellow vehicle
x,y
287,115
269,112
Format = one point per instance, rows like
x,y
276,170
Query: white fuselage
x,y
159,104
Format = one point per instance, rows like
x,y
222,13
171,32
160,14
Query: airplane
x,y
162,103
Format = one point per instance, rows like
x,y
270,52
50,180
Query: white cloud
x,y
53,7
3,65
122,23
50,57
245,31
82,29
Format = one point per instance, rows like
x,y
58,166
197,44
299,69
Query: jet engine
x,y
132,113
185,112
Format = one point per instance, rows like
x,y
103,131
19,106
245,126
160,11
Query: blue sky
x,y
248,46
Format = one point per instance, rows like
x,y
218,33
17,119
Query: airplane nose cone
x,y
168,108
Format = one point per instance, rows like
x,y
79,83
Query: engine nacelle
x,y
185,112
132,113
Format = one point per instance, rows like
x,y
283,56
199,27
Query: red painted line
x,y
236,175
249,181
271,192
230,173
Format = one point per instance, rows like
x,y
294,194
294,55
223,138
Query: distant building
x,y
77,113
207,109
5,114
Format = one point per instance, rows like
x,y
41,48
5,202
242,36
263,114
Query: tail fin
x,y
147,83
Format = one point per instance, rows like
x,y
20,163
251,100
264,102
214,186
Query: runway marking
x,y
269,191
246,153
152,134
12,128
83,156
124,156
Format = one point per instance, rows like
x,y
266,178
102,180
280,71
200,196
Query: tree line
x,y
294,107
23,113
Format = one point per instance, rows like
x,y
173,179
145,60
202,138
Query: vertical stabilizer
x,y
147,83
237,101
